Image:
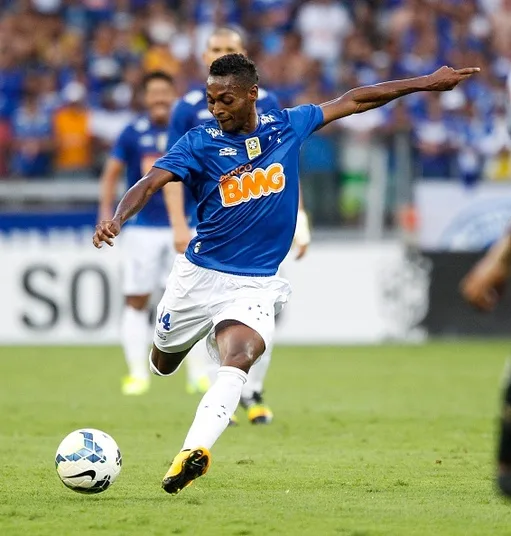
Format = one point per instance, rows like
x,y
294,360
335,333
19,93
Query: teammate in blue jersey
x,y
191,111
147,245
242,168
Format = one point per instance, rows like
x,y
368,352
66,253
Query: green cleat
x,y
132,386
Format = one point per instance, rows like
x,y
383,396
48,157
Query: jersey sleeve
x,y
122,146
304,119
180,122
184,158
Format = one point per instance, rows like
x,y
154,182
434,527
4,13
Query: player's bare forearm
x,y
108,187
501,250
365,98
131,203
484,285
139,194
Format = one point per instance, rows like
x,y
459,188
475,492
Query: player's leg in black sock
x,y
504,445
163,363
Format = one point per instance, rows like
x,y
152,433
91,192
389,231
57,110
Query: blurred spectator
x,y
11,81
323,25
402,16
5,147
424,53
497,147
47,7
470,133
303,48
288,71
489,6
161,28
98,12
433,141
501,28
107,121
71,124
32,141
206,14
49,96
104,66
272,21
397,132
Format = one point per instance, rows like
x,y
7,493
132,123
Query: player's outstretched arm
x,y
484,284
365,98
131,203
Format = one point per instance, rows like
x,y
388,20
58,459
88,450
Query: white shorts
x,y
196,300
147,257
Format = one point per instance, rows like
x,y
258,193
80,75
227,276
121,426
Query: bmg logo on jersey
x,y
252,185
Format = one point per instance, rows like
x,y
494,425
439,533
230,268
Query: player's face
x,y
230,103
159,96
221,45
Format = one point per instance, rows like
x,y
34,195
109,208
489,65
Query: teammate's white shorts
x,y
196,300
147,257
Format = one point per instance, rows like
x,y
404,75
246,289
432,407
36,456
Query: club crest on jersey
x,y
253,147
252,185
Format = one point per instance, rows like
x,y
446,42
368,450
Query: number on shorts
x,y
165,320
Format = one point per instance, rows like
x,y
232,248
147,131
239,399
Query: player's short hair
x,y
156,75
238,66
226,30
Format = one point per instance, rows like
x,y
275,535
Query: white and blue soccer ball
x,y
88,461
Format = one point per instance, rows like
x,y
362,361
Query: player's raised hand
x,y
484,284
106,231
447,78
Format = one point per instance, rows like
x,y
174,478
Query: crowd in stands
x,y
69,70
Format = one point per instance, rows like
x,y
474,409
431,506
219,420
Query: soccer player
x,y
225,285
192,111
482,288
147,246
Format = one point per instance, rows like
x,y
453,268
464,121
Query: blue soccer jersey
x,y
138,146
247,189
192,111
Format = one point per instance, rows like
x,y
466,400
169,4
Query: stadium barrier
x,y
453,217
60,290
456,224
448,315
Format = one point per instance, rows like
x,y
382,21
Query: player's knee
x,y
242,359
240,346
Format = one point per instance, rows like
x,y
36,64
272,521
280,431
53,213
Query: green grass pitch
x,y
393,440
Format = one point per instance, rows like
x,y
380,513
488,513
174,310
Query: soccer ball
x,y
88,461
